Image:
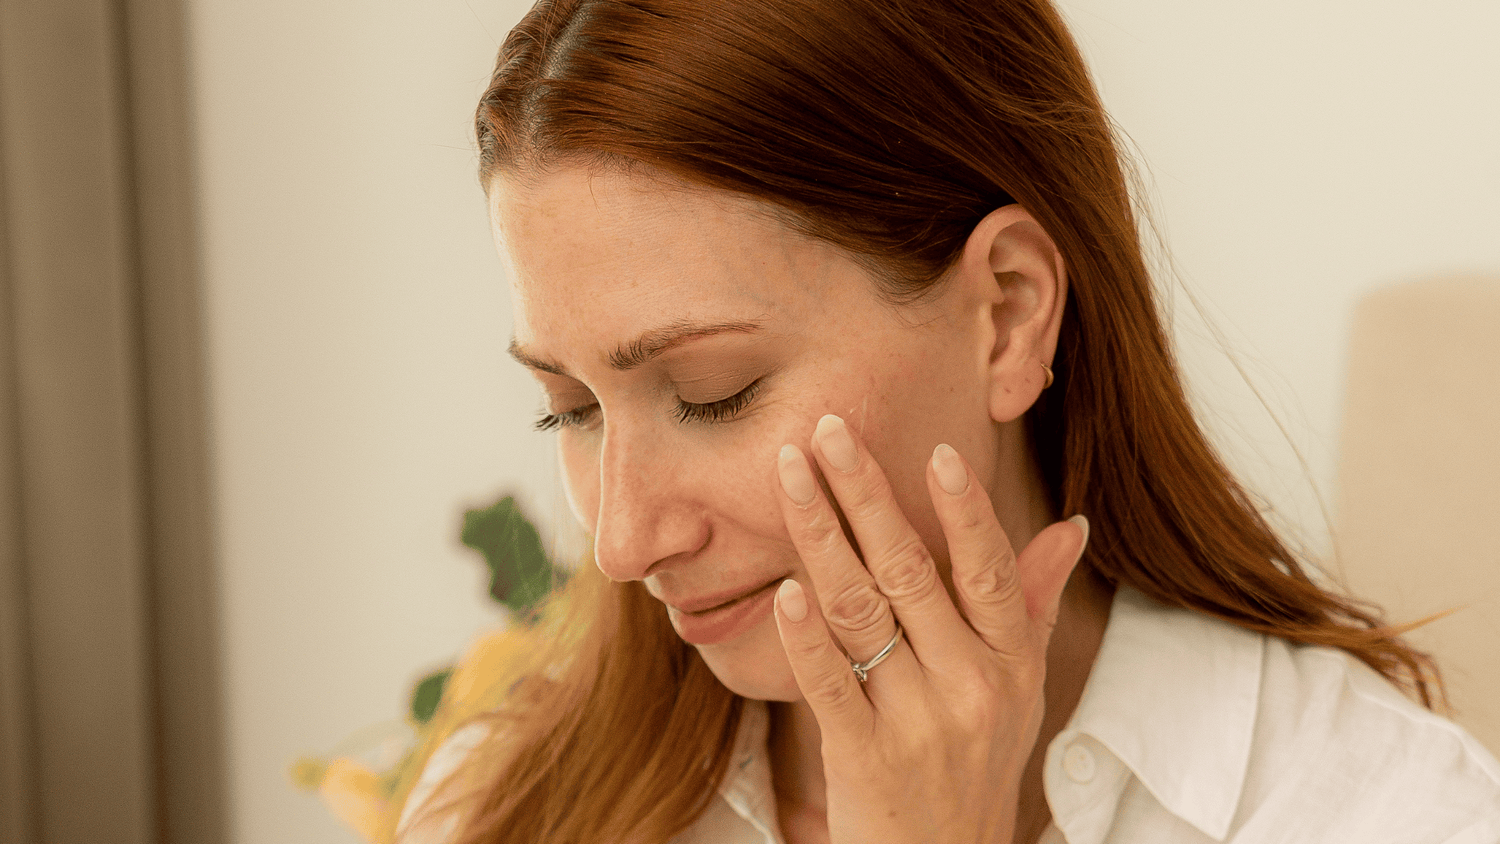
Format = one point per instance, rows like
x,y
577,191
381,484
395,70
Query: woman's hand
x,y
931,749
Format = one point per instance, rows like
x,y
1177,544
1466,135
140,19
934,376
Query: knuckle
x,y
994,582
834,690
916,742
858,608
865,493
811,651
822,532
1021,666
981,699
824,671
975,708
909,573
973,519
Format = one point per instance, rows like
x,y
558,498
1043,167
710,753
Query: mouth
x,y
714,619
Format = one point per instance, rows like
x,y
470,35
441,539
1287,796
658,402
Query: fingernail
x,y
950,471
833,437
796,477
792,599
1082,522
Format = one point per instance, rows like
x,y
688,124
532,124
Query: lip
x,y
714,619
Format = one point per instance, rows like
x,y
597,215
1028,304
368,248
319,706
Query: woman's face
x,y
681,337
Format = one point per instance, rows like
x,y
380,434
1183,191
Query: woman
x,y
834,304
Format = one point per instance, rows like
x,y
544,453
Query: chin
x,y
753,665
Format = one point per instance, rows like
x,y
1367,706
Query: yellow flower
x,y
482,676
307,773
356,796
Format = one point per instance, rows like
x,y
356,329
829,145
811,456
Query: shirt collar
x,y
747,786
1173,696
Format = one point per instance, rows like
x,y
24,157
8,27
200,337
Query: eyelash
x,y
722,410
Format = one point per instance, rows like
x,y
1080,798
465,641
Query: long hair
x,y
889,129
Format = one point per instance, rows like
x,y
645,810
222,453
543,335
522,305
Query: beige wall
x,y
361,397
1301,155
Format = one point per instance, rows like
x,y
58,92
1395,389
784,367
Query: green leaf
x,y
427,694
520,573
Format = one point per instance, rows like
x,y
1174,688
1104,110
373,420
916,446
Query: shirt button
x,y
1079,763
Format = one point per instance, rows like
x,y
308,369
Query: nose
x,y
647,514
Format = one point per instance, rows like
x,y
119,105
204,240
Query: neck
x,y
795,742
795,746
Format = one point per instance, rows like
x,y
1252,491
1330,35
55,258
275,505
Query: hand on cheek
x,y
932,745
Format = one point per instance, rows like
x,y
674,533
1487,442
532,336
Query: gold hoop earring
x,y
1048,371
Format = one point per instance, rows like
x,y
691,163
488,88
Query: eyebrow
x,y
644,348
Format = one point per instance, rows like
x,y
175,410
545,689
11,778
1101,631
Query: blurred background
x,y
252,366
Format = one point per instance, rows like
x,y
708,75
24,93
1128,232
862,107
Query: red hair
x,y
889,129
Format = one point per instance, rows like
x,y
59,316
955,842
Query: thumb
x,y
1047,562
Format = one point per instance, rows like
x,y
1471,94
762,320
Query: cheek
x,y
728,476
916,412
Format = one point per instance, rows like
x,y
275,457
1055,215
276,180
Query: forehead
x,y
612,254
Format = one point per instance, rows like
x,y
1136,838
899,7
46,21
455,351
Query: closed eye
x,y
576,418
723,410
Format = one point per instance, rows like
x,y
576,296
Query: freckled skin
x,y
597,258
686,501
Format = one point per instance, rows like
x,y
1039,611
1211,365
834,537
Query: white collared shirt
x,y
1191,730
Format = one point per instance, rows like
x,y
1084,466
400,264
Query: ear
x,y
1022,284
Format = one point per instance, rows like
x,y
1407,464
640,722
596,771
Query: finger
x,y
1047,563
857,613
822,673
985,577
893,551
1001,595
